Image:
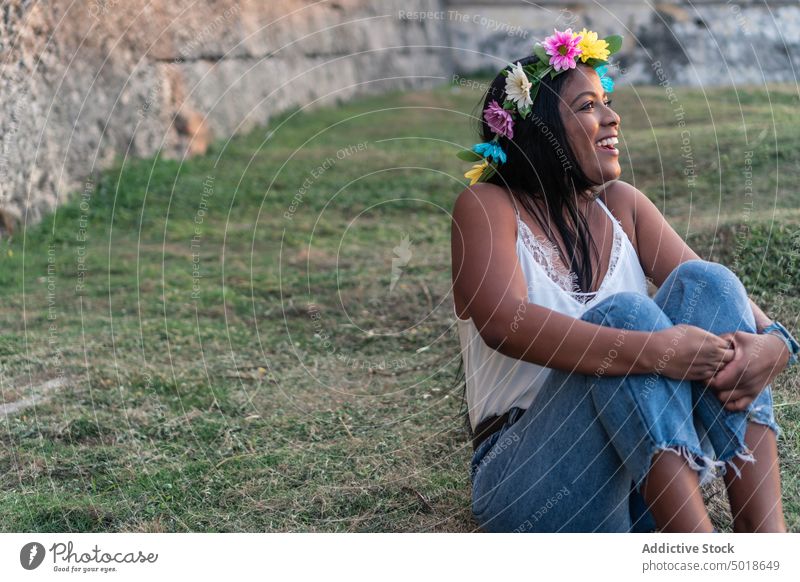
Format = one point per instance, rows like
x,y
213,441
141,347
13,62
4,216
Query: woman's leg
x,y
709,295
755,495
673,496
569,462
550,469
651,423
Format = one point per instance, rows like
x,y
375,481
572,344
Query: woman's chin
x,y
606,173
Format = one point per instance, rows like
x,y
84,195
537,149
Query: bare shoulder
x,y
483,219
484,205
622,196
487,199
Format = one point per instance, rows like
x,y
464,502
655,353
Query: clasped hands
x,y
757,360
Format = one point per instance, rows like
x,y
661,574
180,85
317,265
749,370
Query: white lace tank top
x,y
496,382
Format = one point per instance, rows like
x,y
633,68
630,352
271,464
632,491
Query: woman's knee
x,y
713,278
628,310
708,295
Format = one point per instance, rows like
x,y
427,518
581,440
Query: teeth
x,y
609,141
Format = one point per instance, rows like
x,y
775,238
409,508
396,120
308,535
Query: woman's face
x,y
591,125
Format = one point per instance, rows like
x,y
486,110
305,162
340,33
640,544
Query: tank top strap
x,y
607,211
514,202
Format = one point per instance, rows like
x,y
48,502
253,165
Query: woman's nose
x,y
611,121
613,117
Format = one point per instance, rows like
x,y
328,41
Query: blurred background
x,y
225,241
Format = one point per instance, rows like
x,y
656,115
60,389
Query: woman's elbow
x,y
497,331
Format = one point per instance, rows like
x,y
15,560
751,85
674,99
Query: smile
x,y
607,145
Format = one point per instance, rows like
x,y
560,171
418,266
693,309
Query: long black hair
x,y
542,171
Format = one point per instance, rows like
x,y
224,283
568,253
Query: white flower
x,y
518,88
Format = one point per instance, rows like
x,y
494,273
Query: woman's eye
x,y
590,104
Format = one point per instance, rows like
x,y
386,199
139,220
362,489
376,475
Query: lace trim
x,y
545,253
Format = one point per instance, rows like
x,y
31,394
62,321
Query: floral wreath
x,y
558,53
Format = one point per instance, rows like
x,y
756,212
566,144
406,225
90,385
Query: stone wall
x,y
698,42
84,81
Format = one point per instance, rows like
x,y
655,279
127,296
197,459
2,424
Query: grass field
x,y
221,345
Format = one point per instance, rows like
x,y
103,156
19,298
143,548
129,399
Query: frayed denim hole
x,y
768,423
764,413
742,451
744,454
707,468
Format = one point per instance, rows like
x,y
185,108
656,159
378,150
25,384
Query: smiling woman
x,y
577,381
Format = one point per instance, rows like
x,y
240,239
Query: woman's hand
x,y
757,360
687,352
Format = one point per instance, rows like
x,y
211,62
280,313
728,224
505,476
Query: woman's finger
x,y
735,394
739,405
725,341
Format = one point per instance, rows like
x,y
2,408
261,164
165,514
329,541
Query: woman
x,y
593,406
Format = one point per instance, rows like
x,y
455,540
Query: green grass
x,y
229,403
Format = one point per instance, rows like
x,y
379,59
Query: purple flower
x,y
499,120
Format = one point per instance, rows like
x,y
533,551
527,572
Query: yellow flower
x,y
591,47
475,173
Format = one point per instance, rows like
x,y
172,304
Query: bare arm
x,y
660,248
488,277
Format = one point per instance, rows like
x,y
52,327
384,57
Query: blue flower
x,y
606,82
490,149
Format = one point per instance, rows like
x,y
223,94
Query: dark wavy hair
x,y
544,176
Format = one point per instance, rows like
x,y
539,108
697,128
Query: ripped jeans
x,y
576,459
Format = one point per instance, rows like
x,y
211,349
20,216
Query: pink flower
x,y
499,120
563,49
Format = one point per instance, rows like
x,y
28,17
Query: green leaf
x,y
488,172
469,156
614,43
509,105
505,72
553,73
594,63
544,71
540,52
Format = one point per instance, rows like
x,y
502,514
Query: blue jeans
x,y
575,460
